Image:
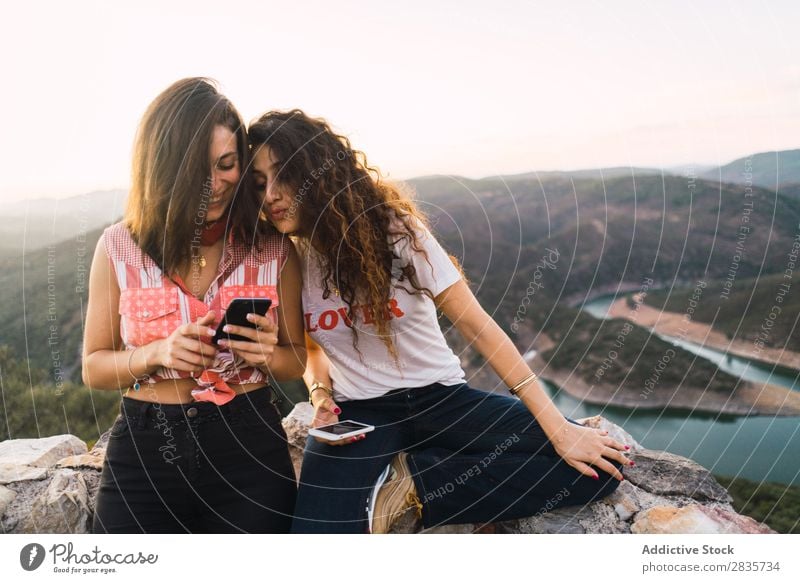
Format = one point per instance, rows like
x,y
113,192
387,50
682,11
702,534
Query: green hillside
x,y
44,297
776,505
610,233
594,234
747,312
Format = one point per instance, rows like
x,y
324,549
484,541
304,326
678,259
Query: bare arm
x,y
318,365
578,446
105,360
479,329
289,358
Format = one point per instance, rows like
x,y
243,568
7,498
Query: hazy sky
x,y
470,88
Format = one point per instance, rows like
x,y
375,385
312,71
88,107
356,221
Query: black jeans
x,y
474,457
197,467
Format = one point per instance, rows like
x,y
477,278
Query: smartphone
x,y
236,315
340,430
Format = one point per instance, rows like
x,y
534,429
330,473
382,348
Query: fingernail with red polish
x,y
337,410
627,447
633,463
595,477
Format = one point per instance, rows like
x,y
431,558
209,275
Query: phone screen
x,y
236,315
342,427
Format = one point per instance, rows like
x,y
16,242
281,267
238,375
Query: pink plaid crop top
x,y
152,306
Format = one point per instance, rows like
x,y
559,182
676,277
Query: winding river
x,y
756,448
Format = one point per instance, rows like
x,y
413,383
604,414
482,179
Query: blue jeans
x,y
474,456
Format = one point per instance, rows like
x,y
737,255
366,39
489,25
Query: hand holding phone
x,y
326,415
253,341
341,430
236,315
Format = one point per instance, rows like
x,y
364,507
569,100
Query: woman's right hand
x,y
183,349
326,412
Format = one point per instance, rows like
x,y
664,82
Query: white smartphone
x,y
340,430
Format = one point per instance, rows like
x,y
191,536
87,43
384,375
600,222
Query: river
x,y
760,448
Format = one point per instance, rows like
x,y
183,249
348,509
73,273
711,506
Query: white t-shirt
x,y
423,354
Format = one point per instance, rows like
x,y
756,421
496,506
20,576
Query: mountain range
x,y
534,246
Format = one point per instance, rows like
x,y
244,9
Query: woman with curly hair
x,y
373,279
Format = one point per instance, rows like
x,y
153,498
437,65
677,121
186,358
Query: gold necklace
x,y
198,263
199,259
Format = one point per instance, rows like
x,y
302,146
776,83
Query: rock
x,y
665,474
62,508
28,459
624,503
614,431
6,497
17,473
20,508
695,519
102,442
93,460
296,425
297,422
40,453
662,493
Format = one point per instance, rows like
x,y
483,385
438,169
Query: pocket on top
x,y
149,314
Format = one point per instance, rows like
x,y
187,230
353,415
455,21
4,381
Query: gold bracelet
x,y
516,388
318,385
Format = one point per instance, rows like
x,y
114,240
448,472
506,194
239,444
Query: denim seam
x,y
416,475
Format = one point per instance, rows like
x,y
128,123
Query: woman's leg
x,y
481,457
142,490
246,479
336,481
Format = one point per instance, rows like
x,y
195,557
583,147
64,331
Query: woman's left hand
x,y
259,349
582,447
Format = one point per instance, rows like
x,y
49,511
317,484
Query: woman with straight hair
x,y
198,445
373,279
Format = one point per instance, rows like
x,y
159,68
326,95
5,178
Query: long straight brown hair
x,y
171,171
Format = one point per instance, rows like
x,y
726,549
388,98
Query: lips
x,y
216,201
277,214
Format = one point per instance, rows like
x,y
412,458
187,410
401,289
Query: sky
x,y
466,88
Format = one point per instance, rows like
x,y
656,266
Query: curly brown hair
x,y
350,215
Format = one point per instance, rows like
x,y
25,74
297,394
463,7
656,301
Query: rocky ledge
x,y
48,485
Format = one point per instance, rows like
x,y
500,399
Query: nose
x,y
271,194
216,182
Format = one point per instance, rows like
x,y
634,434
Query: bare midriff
x,y
178,391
